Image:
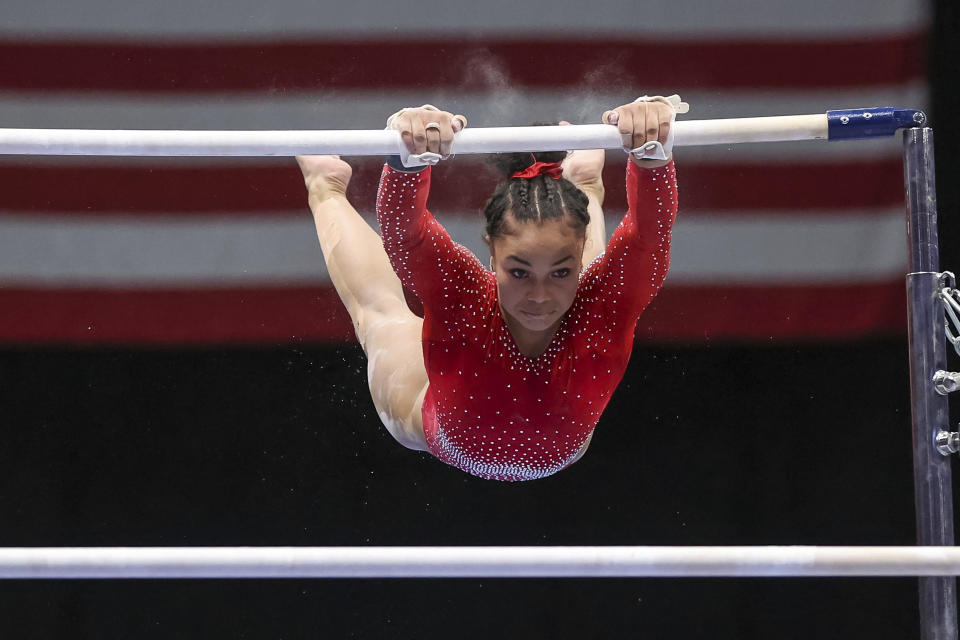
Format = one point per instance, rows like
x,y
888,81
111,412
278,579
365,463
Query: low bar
x,y
473,562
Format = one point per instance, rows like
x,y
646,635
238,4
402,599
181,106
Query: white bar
x,y
96,142
737,130
460,562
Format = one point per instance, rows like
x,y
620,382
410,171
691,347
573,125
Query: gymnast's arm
x,y
643,238
635,264
632,270
647,119
421,251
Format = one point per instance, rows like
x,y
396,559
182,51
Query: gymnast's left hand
x,y
646,120
427,128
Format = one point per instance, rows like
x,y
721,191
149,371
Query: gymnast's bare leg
x,y
388,331
584,168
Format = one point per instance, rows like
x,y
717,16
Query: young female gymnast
x,y
508,372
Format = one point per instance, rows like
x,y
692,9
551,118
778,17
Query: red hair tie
x,y
549,169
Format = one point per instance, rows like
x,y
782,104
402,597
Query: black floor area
x,y
709,445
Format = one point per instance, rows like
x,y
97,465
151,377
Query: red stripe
x,y
462,64
751,313
157,317
282,316
460,187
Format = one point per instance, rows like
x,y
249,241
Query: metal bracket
x,y
947,442
946,382
950,298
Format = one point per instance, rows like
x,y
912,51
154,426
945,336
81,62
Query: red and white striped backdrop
x,y
797,240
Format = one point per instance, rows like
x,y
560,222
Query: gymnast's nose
x,y
538,293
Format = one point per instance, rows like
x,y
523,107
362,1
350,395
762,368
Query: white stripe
x,y
368,110
361,109
123,251
245,19
782,249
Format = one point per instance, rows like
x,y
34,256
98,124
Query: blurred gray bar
x,y
932,478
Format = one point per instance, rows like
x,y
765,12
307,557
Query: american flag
x,y
798,241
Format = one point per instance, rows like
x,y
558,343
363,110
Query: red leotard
x,y
489,410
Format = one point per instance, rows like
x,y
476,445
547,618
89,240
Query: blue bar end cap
x,y
875,122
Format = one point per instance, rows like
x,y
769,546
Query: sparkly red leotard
x,y
489,410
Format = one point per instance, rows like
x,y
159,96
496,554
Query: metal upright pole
x,y
933,492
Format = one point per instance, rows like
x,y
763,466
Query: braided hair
x,y
533,199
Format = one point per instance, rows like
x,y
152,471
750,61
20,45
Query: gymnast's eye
x,y
561,273
519,274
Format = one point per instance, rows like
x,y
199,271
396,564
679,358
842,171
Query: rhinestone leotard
x,y
490,410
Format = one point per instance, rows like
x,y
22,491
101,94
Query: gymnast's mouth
x,y
536,315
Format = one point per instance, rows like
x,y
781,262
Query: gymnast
x,y
511,367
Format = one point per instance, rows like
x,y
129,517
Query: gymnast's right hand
x,y
427,129
325,176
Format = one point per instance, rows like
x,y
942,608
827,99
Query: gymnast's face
x,y
537,267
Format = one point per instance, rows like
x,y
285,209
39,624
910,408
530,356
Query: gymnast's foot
x,y
325,176
584,168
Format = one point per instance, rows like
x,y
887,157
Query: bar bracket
x,y
947,442
949,296
876,122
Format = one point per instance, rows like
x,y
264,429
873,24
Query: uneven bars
x,y
850,123
473,562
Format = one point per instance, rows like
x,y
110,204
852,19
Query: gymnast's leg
x,y
388,331
584,168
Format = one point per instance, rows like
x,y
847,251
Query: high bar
x,y
473,562
851,123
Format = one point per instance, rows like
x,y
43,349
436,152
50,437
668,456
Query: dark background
x,y
714,444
